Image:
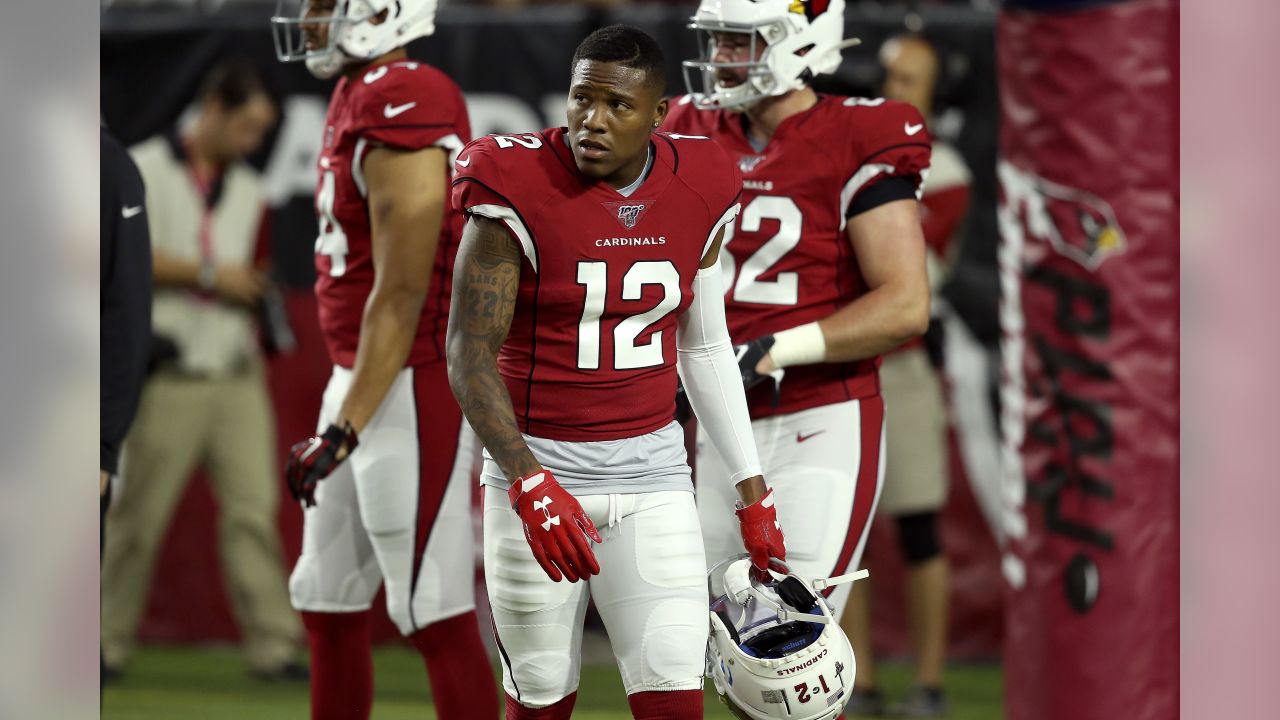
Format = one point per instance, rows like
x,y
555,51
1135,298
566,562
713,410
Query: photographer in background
x,y
206,402
916,482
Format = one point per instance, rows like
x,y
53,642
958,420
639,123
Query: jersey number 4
x,y
749,288
331,241
627,354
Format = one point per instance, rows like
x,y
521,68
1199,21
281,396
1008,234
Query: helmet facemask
x,y
289,28
756,79
353,34
775,648
791,41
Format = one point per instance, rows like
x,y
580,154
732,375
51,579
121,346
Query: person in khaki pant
x,y
207,406
916,482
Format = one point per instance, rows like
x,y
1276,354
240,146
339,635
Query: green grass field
x,y
210,684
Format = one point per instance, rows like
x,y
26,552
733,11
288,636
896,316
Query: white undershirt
x,y
644,175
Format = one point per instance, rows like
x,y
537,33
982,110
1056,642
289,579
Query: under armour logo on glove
x,y
542,505
561,549
761,532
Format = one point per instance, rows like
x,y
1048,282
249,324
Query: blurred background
x,y
1063,117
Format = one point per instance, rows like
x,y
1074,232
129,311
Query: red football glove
x,y
313,459
761,533
554,524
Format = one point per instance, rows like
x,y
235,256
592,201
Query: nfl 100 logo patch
x,y
747,163
628,214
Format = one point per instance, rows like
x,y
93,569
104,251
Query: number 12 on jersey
x,y
627,355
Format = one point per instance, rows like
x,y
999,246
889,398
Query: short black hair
x,y
628,46
233,82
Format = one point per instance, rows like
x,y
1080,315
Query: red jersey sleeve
x,y
478,178
889,156
410,106
480,188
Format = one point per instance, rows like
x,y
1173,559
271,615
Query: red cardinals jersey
x,y
789,259
402,105
591,352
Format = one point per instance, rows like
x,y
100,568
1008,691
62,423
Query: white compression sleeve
x,y
709,371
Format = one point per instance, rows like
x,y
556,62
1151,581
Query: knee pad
x,y
672,652
542,678
313,586
918,535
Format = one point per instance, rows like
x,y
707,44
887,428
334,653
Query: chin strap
x,y
820,585
738,585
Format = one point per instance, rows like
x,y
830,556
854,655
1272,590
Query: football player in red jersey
x,y
586,279
386,481
824,269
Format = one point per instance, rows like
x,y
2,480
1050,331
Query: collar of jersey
x,y
737,125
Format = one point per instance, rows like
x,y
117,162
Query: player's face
x,y
910,71
243,128
613,110
317,33
734,47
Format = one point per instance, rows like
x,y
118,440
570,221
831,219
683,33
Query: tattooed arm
x,y
486,277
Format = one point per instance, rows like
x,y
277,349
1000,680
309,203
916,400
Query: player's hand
x,y
313,459
243,284
761,533
556,527
749,357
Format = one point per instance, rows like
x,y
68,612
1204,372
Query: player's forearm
x,y
387,331
709,371
751,490
172,272
875,323
483,397
486,279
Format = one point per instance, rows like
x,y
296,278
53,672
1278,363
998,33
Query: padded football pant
x,y
226,425
826,466
651,593
397,511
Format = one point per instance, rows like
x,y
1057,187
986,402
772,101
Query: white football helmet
x,y
353,37
802,38
775,650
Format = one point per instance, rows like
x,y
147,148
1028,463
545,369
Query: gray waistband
x,y
648,463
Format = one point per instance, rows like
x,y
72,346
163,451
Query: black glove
x,y
313,459
935,341
750,355
684,411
